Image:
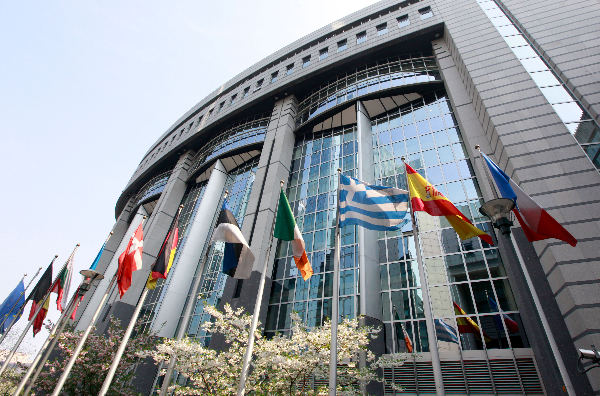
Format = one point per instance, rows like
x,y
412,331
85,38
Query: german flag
x,y
163,263
40,293
425,197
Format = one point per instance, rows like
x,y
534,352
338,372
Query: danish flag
x,y
130,260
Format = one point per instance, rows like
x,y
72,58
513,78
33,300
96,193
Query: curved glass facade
x,y
467,274
312,192
153,188
239,136
373,77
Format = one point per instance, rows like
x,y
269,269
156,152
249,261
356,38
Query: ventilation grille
x,y
471,377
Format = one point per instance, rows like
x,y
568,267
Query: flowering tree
x,y
90,368
280,365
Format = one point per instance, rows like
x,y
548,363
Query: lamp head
x,y
498,211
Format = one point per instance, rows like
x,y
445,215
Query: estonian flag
x,y
237,258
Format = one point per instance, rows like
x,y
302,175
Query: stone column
x,y
108,264
274,165
191,256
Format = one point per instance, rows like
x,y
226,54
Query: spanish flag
x,y
425,197
466,324
163,263
286,229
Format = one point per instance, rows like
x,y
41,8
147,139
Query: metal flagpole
x,y
335,298
40,360
45,350
69,367
187,314
435,357
117,359
83,338
257,305
37,311
21,309
536,300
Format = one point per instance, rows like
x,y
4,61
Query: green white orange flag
x,y
163,263
62,284
286,229
425,197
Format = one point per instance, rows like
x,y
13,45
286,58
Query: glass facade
x,y
312,192
467,274
570,111
239,184
376,76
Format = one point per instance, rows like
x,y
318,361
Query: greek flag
x,y
374,207
445,332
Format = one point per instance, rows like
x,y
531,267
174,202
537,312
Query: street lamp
x,y
498,211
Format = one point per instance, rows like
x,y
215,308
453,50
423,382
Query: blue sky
x,y
87,86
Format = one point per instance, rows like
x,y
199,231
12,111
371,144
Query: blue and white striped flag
x,y
374,207
445,332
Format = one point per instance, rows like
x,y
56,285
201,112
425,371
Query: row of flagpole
x,y
132,258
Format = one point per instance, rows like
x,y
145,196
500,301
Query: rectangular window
x,y
342,45
361,37
246,90
233,98
259,84
306,61
323,53
274,76
403,21
381,29
289,69
426,12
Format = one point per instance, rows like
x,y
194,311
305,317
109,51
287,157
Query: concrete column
x,y
369,283
274,165
189,261
110,263
119,231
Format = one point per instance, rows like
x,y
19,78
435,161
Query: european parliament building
x,y
422,79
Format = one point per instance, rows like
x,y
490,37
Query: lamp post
x,y
498,211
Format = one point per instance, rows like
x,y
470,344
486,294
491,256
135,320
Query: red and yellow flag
x,y
425,197
466,324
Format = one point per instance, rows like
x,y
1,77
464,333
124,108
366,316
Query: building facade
x,y
422,79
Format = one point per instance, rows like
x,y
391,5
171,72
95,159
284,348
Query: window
x,y
323,53
259,84
361,37
246,90
381,29
274,76
221,105
289,69
403,21
306,61
342,45
233,98
426,12
210,111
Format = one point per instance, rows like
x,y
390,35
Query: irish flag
x,y
286,229
62,283
425,197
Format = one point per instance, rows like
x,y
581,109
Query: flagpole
x,y
433,349
38,363
71,363
21,309
37,311
536,300
83,338
335,298
189,306
56,329
257,305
